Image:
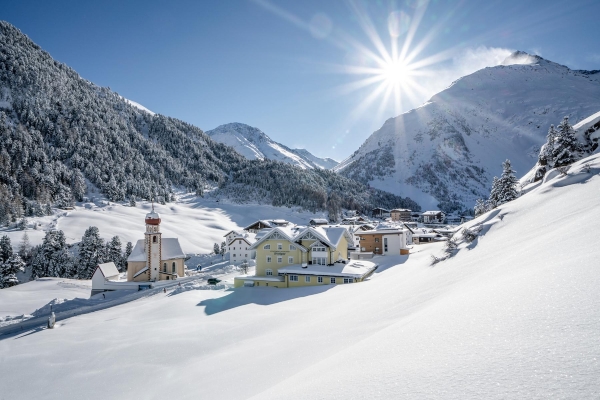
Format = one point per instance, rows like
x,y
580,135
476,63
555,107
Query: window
x,y
267,247
292,247
348,280
376,240
153,239
269,259
318,249
280,274
164,267
294,278
319,260
385,244
234,248
279,246
246,255
269,272
279,260
233,254
173,266
307,279
331,280
320,279
290,260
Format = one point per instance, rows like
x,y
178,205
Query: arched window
x,y
173,266
164,267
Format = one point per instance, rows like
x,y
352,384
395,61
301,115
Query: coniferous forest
x,y
60,133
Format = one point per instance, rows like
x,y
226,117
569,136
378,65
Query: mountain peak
x,y
253,143
521,58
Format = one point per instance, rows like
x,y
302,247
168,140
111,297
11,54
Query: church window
x,y
164,267
173,266
153,239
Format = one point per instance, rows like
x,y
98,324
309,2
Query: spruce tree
x,y
114,254
128,250
504,189
480,207
216,248
6,250
91,253
9,269
566,149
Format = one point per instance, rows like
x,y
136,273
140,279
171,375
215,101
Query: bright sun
x,y
395,73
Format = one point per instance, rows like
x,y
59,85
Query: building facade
x,y
155,258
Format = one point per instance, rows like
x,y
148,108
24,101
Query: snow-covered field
x,y
514,315
197,222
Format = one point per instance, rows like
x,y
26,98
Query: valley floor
x,y
513,315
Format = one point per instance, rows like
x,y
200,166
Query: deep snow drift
x,y
515,314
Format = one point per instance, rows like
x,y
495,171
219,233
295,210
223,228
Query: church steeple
x,y
153,243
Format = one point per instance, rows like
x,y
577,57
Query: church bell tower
x,y
153,244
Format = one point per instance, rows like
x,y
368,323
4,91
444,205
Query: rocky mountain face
x,y
445,153
254,144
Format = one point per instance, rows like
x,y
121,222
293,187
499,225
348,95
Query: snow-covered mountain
x,y
254,144
445,153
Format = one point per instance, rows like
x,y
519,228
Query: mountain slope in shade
x,y
253,143
445,153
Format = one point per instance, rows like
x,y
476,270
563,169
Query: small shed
x,y
102,273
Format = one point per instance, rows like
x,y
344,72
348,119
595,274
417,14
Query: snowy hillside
x,y
447,151
254,144
514,315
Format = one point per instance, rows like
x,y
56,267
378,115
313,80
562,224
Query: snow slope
x,y
514,315
253,143
445,153
197,222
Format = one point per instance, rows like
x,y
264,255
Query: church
x,y
155,258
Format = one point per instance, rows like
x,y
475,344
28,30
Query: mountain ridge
x,y
444,153
252,143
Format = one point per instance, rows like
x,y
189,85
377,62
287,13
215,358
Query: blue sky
x,y
292,68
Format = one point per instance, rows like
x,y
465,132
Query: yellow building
x,y
289,256
155,258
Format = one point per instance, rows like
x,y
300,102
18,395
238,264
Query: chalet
x,y
400,214
232,234
380,213
318,222
433,217
239,250
385,241
257,226
291,256
155,258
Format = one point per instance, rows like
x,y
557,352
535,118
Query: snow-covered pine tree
x,y
223,249
128,250
114,253
216,248
57,261
494,194
566,149
480,207
25,247
91,253
6,250
504,189
9,269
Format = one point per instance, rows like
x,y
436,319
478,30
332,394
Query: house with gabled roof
x,y
257,226
319,255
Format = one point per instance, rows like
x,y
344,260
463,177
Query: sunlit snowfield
x,y
515,314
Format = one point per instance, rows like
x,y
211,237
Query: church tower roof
x,y
152,218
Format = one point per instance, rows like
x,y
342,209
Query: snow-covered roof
x,y
170,250
353,269
152,215
239,238
400,210
431,212
109,269
261,221
319,221
237,233
141,271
